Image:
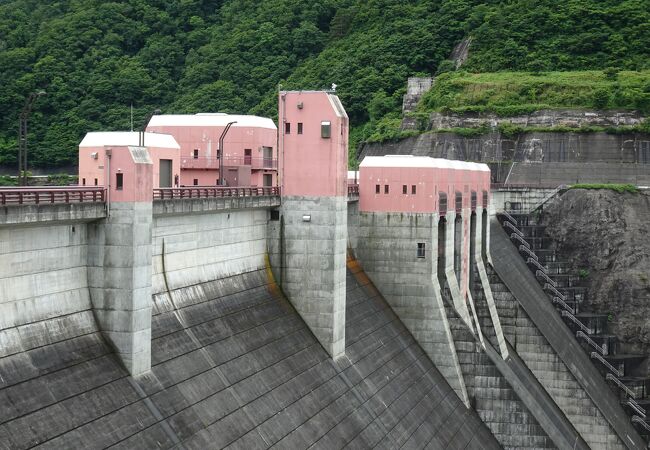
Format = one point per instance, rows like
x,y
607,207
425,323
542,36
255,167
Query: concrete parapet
x,y
203,205
43,214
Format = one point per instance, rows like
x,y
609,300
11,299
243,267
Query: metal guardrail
x,y
552,288
528,251
541,274
213,192
633,404
563,304
39,195
353,189
606,363
509,217
508,224
575,320
586,338
621,385
521,240
204,162
640,421
536,263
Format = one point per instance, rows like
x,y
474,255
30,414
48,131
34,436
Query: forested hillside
x,y
96,58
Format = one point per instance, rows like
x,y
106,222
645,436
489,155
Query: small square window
x,y
287,128
119,181
196,153
299,127
405,189
325,129
377,189
196,181
413,189
421,250
385,189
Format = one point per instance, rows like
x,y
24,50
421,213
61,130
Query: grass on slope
x,y
514,93
620,188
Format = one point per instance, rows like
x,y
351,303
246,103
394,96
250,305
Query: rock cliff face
x,y
605,235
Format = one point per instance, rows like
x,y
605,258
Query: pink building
x,y
163,150
314,141
250,148
419,184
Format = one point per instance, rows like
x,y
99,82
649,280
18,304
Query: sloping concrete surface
x,y
233,365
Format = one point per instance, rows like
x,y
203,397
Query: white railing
x,y
575,320
606,363
509,217
549,196
536,263
521,240
640,421
513,228
543,276
636,407
583,335
528,251
550,287
564,305
611,377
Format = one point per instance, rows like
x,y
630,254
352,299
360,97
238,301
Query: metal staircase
x,y
566,292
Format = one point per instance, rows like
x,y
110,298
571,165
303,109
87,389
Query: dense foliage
x,y
513,93
97,58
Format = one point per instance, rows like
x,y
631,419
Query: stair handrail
x,y
628,391
606,363
528,251
550,195
564,305
636,407
516,237
554,290
537,264
508,224
507,215
541,274
640,421
585,336
575,320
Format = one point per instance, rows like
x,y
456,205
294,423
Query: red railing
x,y
38,195
353,189
213,192
203,162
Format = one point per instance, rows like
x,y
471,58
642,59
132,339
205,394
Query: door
x,y
165,173
268,180
248,157
268,157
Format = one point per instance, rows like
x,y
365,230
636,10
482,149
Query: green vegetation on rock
x,y
620,188
516,93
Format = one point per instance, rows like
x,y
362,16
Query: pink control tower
x,y
313,143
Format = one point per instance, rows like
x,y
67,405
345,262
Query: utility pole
x,y
22,136
222,180
155,112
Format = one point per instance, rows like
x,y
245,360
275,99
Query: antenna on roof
x,y
131,116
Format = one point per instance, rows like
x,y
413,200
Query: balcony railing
x,y
353,189
39,195
203,162
213,192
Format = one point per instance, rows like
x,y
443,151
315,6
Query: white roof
x,y
126,138
210,120
421,161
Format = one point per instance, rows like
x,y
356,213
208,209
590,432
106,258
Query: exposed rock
x,y
460,53
606,235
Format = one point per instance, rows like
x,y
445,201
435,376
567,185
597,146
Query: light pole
x,y
22,136
155,112
222,180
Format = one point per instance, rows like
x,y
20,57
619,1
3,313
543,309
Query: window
x,y
459,202
275,214
83,181
377,189
287,128
385,189
196,181
119,181
325,129
299,127
196,153
95,181
405,189
421,250
413,189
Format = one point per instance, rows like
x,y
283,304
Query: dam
x,y
408,310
